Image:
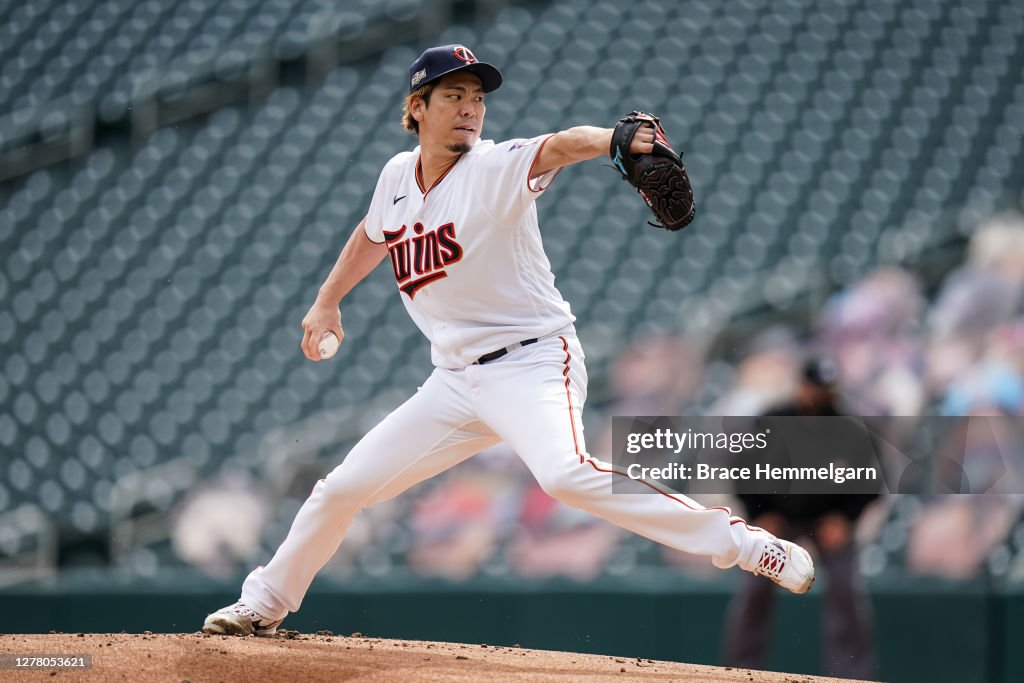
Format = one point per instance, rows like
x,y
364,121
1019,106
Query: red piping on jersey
x,y
529,175
593,463
419,175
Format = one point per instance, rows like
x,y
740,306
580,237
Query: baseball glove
x,y
659,177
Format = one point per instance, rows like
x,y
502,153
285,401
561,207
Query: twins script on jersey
x,y
466,252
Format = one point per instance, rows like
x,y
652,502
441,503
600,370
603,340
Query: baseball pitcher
x,y
456,219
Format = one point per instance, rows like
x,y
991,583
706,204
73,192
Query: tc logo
x,y
464,54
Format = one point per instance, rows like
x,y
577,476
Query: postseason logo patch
x,y
418,76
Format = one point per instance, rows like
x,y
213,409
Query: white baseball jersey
x,y
467,252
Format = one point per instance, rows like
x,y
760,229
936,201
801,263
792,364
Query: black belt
x,y
495,355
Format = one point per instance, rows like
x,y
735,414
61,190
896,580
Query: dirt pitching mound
x,y
291,656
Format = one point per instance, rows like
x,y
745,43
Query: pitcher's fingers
x,y
306,339
339,333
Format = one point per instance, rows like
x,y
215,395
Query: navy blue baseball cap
x,y
446,59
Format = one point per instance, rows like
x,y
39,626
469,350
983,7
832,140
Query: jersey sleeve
x,y
374,223
503,177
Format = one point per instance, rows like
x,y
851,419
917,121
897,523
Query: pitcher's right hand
x,y
321,318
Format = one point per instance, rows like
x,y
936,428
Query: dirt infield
x,y
291,656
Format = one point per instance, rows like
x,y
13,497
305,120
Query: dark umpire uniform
x,y
829,520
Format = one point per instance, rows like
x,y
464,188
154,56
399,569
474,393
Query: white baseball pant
x,y
533,400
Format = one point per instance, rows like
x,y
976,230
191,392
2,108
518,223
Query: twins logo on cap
x,y
464,54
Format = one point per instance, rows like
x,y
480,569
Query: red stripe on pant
x,y
589,460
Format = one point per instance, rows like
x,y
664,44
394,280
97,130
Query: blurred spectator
x,y
556,540
763,379
1006,343
872,330
952,536
657,375
216,543
829,520
989,387
976,299
457,525
651,376
886,303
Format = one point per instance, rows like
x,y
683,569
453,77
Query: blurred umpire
x,y
829,520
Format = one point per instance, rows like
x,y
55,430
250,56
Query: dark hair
x,y
422,92
821,372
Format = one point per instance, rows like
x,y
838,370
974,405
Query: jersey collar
x,y
418,172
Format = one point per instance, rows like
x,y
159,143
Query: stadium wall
x,y
927,631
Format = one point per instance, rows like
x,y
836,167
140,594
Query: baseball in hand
x,y
328,345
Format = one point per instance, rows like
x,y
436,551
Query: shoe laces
x,y
773,560
244,610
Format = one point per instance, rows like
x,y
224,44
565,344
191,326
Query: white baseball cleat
x,y
787,564
239,620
